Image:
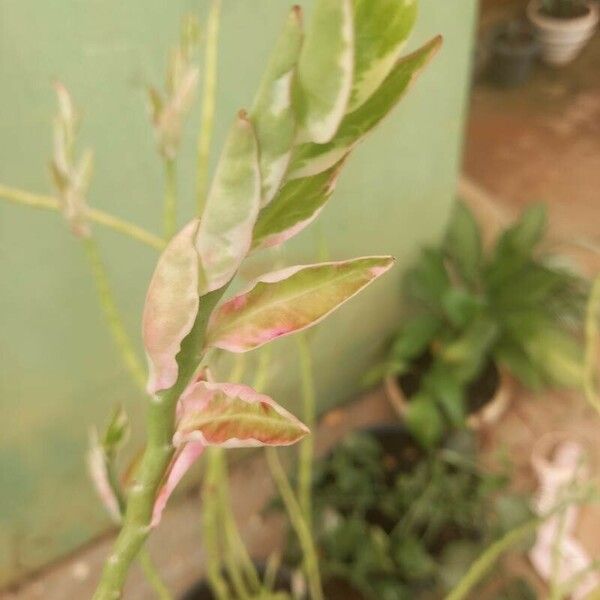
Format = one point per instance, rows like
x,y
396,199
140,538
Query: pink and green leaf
x,y
273,114
310,159
289,301
171,307
235,416
325,70
295,207
225,231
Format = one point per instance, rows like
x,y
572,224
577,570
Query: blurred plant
x,y
322,93
514,307
565,9
397,528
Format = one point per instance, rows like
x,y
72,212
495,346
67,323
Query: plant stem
x,y
111,312
294,511
209,94
155,460
153,577
592,336
170,210
40,201
486,561
307,446
210,518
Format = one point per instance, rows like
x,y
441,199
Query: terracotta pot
x,y
488,415
562,39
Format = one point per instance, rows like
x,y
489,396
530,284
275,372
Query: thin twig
x,y
209,94
152,576
17,196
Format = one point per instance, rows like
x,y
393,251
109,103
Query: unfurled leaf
x,y
226,415
310,159
184,458
235,416
325,70
381,30
273,115
171,307
463,244
288,301
225,231
117,432
295,207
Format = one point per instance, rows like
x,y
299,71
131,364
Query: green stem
x,y
307,446
208,102
153,577
40,201
592,335
170,210
155,460
210,519
486,561
298,522
111,312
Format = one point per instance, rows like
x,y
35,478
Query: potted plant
x,y
477,320
394,522
563,27
513,50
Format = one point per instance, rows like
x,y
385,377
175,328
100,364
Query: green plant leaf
x,y
289,301
381,30
234,416
273,115
171,307
442,385
415,337
117,432
428,280
225,231
460,307
325,70
463,244
295,207
310,159
424,420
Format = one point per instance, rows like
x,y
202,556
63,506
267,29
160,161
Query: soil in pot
x,y
513,50
478,394
202,590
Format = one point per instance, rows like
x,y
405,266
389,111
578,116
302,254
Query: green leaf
x,y
273,115
310,159
424,420
512,356
415,337
463,244
460,307
381,30
295,207
442,385
428,280
289,301
117,432
325,70
225,231
234,416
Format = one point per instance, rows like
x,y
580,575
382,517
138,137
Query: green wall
x,y
59,373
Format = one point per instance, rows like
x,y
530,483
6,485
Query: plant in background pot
x,y
392,522
563,27
475,318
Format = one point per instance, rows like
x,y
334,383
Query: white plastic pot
x,y
561,39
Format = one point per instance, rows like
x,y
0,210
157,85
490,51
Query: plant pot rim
x,y
487,415
558,24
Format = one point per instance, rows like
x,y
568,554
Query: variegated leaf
x,y
273,116
295,207
381,30
184,458
225,231
311,159
98,468
171,307
288,301
232,415
325,70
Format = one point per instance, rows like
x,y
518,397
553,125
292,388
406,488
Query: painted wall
x,y
59,372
